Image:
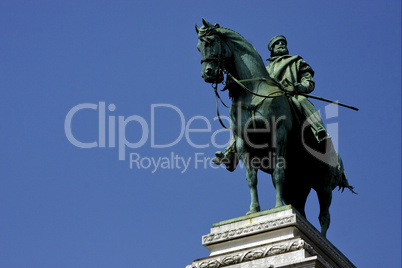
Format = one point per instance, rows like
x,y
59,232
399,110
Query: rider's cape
x,y
293,69
289,70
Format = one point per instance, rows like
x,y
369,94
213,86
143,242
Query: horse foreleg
x,y
278,175
325,199
252,184
278,178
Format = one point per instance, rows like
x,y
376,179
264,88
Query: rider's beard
x,y
281,52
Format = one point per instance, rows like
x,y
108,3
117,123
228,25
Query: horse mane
x,y
235,41
225,33
239,41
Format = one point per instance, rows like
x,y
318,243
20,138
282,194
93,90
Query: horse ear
x,y
217,25
196,28
206,23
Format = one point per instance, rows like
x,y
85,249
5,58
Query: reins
x,y
217,106
274,94
221,65
281,90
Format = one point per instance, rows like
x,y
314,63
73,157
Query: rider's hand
x,y
300,88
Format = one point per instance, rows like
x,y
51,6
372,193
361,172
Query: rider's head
x,y
278,46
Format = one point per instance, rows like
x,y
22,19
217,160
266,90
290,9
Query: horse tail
x,y
343,182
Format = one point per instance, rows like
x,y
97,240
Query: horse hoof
x,y
253,211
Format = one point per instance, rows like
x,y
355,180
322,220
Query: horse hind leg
x,y
325,199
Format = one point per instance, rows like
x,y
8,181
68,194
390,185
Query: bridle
x,y
220,59
221,65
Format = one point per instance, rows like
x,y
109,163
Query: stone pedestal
x,y
278,237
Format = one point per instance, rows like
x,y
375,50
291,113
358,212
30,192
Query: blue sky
x,y
65,206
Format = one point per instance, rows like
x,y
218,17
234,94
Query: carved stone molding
x,y
279,238
251,229
249,255
312,252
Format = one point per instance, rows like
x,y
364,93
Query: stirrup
x,y
322,136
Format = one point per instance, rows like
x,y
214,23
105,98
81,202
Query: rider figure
x,y
295,75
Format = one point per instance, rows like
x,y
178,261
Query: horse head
x,y
213,50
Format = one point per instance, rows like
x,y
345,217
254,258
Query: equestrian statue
x,y
275,128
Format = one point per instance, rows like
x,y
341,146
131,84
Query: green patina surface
x,y
253,215
262,96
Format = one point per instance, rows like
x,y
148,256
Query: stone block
x,y
278,237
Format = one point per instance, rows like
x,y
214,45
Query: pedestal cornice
x,y
280,237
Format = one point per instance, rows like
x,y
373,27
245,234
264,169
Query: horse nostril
x,y
206,72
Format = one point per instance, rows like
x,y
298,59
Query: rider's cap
x,y
274,40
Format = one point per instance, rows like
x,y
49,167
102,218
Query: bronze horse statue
x,y
268,136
